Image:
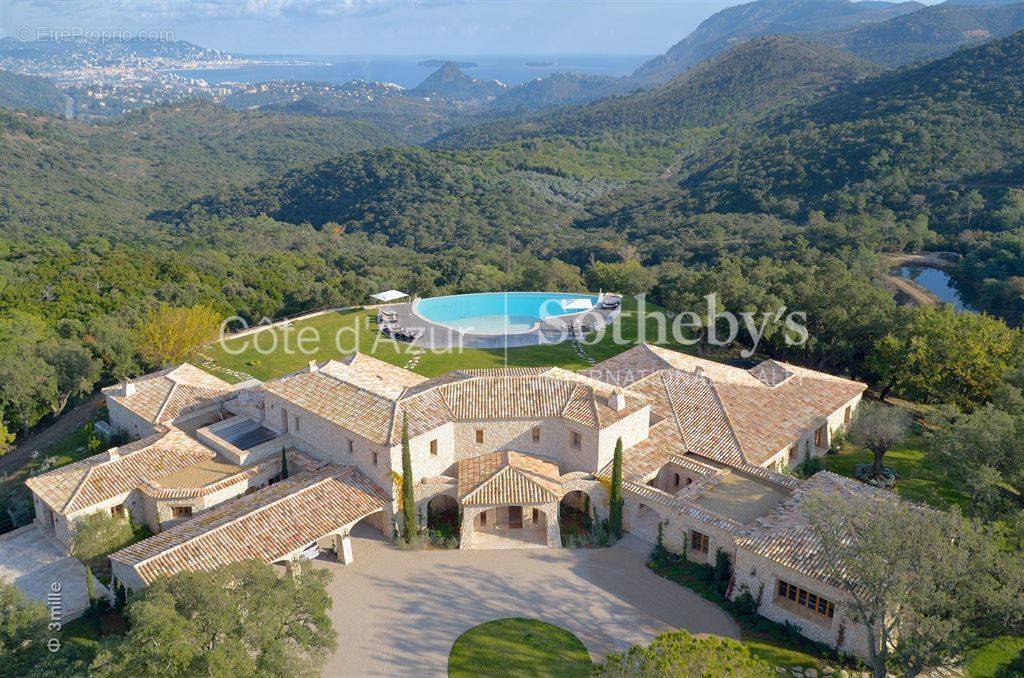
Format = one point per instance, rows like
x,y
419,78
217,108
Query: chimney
x,y
129,388
113,453
617,401
698,370
313,367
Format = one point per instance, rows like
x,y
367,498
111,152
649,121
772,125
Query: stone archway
x,y
576,517
443,515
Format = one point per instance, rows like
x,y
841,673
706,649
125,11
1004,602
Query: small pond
x,y
939,283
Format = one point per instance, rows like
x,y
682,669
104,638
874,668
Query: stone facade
x,y
760,577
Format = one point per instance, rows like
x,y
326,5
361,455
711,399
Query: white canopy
x,y
390,295
578,304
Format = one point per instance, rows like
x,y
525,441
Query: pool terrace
x,y
273,352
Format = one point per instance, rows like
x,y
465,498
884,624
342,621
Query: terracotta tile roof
x,y
784,534
266,525
504,478
486,394
166,395
646,457
118,471
325,395
554,394
505,372
736,416
374,375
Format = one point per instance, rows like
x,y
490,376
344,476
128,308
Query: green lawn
x,y
917,481
993,660
518,647
273,352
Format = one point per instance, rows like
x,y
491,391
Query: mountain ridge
x,y
755,19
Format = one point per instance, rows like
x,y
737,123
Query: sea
x,y
410,71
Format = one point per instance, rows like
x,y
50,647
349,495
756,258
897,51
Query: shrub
x,y
100,534
809,466
839,441
722,571
745,604
677,653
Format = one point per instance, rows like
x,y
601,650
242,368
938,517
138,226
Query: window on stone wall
x,y
351,447
794,595
117,511
698,541
675,480
433,447
576,440
847,415
297,423
479,436
536,434
181,511
374,458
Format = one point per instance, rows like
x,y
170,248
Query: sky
x,y
366,27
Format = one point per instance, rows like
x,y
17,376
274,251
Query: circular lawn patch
x,y
518,647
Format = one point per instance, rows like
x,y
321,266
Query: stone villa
x,y
503,451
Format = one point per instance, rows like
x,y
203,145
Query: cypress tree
x,y
615,496
284,465
408,501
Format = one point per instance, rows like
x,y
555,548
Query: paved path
x,y
34,563
398,612
44,439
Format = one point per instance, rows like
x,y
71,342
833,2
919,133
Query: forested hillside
x,y
929,33
914,141
737,24
67,178
425,200
741,84
27,92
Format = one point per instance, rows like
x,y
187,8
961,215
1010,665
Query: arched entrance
x,y
443,515
575,517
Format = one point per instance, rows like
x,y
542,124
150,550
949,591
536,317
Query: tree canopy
x,y
242,619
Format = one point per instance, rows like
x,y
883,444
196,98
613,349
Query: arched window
x,y
675,480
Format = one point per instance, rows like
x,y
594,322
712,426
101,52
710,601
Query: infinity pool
x,y
501,312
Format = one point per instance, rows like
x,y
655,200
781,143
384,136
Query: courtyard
x,y
399,612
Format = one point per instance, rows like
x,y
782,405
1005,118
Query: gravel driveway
x,y
398,613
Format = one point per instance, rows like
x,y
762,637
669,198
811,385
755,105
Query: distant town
x,y
113,77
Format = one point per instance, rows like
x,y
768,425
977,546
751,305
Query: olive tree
x,y
878,428
926,585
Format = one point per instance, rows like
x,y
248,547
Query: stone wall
x,y
760,576
327,441
123,420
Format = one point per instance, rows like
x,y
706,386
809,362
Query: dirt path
x,y
51,435
915,294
